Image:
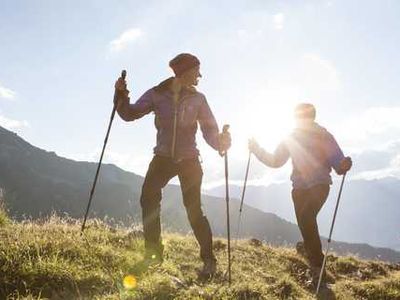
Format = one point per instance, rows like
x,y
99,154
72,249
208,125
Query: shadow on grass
x,y
326,294
143,266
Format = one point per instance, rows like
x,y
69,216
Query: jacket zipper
x,y
183,113
173,146
174,133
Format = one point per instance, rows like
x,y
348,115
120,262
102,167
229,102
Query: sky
x,y
59,61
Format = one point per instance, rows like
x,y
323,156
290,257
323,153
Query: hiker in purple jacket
x,y
314,152
179,108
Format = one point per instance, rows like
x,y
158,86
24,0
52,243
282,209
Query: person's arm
x,y
335,156
273,160
130,112
333,152
209,126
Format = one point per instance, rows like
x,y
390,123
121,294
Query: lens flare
x,y
129,282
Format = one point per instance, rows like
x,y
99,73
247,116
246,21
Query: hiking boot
x,y
209,267
327,277
313,283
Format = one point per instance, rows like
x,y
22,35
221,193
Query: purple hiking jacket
x,y
176,123
314,152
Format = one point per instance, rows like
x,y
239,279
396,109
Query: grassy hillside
x,y
50,259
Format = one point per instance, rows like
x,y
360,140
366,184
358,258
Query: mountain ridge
x,y
37,183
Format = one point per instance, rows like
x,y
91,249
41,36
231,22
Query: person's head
x,y
186,68
304,114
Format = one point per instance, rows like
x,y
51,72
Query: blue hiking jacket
x,y
176,121
314,152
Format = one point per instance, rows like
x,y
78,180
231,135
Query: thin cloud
x,y
391,171
127,37
6,93
11,124
278,21
381,119
378,124
372,135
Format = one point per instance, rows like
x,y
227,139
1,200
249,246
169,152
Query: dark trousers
x,y
307,204
161,170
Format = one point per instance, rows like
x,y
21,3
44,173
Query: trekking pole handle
x,y
225,129
117,91
123,74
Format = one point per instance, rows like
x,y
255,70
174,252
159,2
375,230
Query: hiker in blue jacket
x,y
314,152
179,108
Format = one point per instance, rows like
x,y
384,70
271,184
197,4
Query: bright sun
x,y
267,121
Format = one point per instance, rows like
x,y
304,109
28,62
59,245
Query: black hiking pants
x,y
161,170
307,204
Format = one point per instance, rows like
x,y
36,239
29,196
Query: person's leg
x,y
160,171
190,176
311,202
298,202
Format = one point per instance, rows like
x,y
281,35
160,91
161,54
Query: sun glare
x,y
266,121
129,282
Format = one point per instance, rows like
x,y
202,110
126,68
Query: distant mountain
x,y
369,211
36,183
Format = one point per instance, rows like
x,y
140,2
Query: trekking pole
x,y
225,154
330,235
123,76
242,198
